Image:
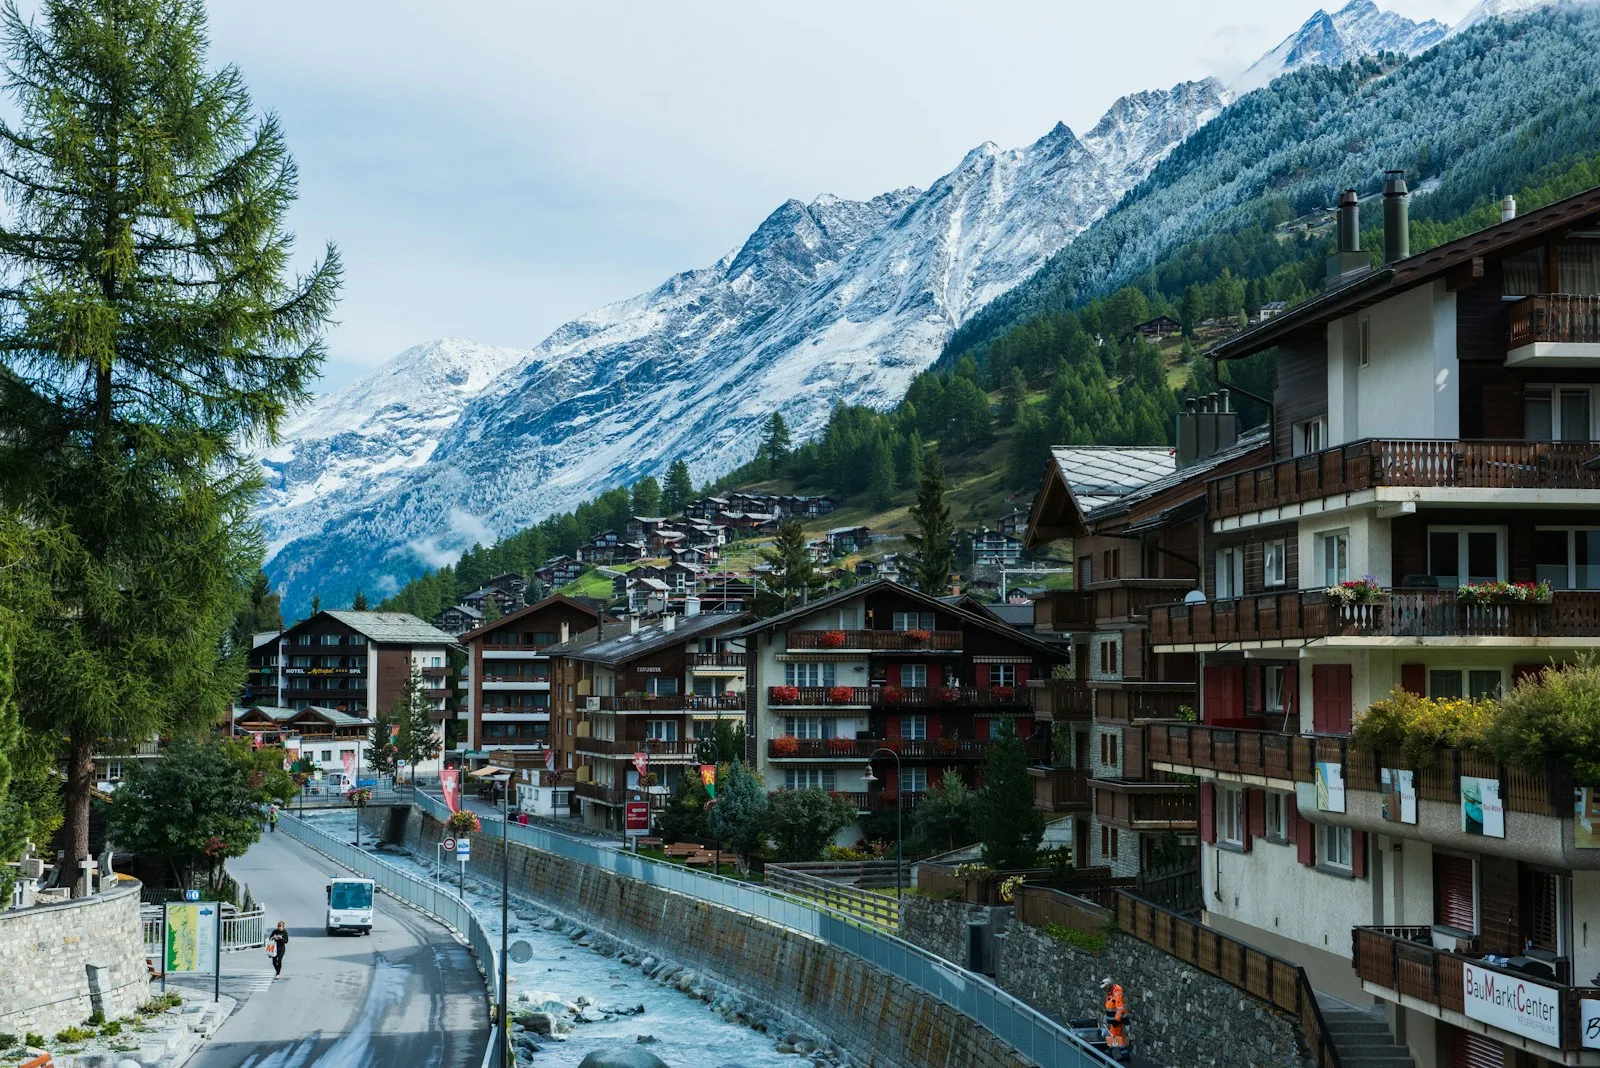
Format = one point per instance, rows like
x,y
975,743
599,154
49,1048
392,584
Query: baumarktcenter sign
x,y
1513,1004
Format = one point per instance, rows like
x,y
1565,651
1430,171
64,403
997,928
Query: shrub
x,y
843,853
111,1030
785,746
7,1041
1552,715
74,1034
1089,943
31,1039
803,822
1418,725
158,1004
1062,673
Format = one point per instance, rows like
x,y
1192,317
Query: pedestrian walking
x,y
277,946
272,818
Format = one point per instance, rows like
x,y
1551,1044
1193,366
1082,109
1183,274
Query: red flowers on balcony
x,y
785,695
840,695
833,639
1503,593
844,746
892,695
946,745
919,635
785,746
950,694
1004,693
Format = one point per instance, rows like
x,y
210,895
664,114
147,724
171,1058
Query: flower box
x,y
785,746
786,695
833,639
463,822
1004,693
947,745
892,695
841,695
1477,593
845,746
918,635
950,695
1364,590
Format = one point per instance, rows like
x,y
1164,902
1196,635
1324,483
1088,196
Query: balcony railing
x,y
435,672
606,795
874,641
677,747
1120,599
879,800
1263,754
1415,463
1019,697
520,680
1556,317
1145,806
919,749
1060,700
1134,699
1403,960
1308,614
1064,610
716,660
1060,789
724,702
519,710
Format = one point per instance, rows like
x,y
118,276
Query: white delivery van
x,y
350,905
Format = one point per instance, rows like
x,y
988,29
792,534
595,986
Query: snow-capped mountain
x,y
348,447
1497,9
835,301
1360,28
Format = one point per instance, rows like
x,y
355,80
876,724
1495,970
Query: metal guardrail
x,y
243,930
431,898
1014,1022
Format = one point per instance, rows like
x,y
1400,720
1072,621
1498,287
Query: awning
x,y
486,771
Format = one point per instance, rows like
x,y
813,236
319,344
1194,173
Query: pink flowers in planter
x,y
841,695
1503,593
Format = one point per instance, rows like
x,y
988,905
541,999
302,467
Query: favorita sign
x,y
1512,1004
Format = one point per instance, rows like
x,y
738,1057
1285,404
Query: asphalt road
x,y
407,994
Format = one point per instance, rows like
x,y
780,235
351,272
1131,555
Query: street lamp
x,y
505,896
899,815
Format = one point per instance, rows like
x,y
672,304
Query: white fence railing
x,y
240,930
1014,1022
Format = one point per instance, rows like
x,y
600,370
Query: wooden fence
x,y
878,909
1039,905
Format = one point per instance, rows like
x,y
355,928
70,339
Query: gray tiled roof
x,y
1251,440
1099,474
615,643
396,627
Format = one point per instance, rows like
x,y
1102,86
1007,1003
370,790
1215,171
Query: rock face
x,y
624,1057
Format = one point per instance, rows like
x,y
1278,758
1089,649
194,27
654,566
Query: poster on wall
x,y
1399,795
1586,825
1589,1023
1512,1003
1330,787
1482,812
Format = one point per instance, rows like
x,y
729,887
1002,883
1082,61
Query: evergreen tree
x,y
491,609
739,816
803,822
776,440
685,814
1013,395
679,490
1192,308
908,459
383,750
880,475
262,611
791,559
417,740
932,517
1006,821
29,794
151,328
316,604
359,602
646,497
944,818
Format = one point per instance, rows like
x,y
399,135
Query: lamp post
x,y
899,815
505,896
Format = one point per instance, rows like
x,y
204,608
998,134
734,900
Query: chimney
x,y
1186,433
1227,422
1396,217
691,606
633,624
1206,426
1508,208
669,622
566,633
1348,257
1205,443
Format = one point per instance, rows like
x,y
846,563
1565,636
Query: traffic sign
x,y
637,818
449,845
463,849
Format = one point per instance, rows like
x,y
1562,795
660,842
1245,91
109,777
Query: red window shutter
x,y
1330,698
1208,812
1024,672
892,674
1305,840
894,726
980,675
1257,800
935,675
1452,892
1358,854
1414,679
1468,1050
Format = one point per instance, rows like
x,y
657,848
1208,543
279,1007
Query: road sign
x,y
449,845
638,818
463,849
191,895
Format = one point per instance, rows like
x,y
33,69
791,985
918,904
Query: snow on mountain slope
x,y
831,302
1360,28
1497,9
349,446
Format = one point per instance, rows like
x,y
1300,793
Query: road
x,y
407,994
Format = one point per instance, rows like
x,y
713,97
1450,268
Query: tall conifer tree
x,y
936,530
150,329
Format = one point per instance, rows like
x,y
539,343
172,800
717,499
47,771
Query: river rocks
x,y
646,1040
627,1057
546,1024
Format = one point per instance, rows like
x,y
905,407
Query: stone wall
x,y
1179,1014
51,954
940,927
881,1020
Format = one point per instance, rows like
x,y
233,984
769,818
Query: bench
x,y
680,849
649,843
700,860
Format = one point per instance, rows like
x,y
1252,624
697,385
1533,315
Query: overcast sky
x,y
492,168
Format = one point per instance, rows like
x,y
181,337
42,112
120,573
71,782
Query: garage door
x,y
1468,1050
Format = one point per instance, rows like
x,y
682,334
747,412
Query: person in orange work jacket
x,y
1116,1021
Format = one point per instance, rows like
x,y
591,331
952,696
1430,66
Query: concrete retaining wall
x,y
1180,1015
60,963
877,1017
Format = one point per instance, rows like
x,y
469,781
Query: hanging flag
x,y
708,776
641,760
549,760
256,740
450,786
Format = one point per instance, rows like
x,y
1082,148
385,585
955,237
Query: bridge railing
x,y
1014,1022
431,898
242,929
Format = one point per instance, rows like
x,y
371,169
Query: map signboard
x,y
193,931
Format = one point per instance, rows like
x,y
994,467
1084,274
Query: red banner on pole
x,y
348,759
451,786
641,760
708,779
549,760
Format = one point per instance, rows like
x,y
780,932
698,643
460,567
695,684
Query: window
x,y
1108,656
1278,817
808,674
1113,562
1333,846
705,687
1108,748
663,686
328,639
1002,675
913,621
1272,695
1364,350
1085,571
914,780
1275,563
1558,413
661,730
914,728
1108,842
914,675
1568,559
1230,574
1333,553
808,778
808,727
1461,555
1230,816
327,756
1310,436
1476,683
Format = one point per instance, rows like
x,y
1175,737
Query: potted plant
x,y
785,746
947,745
950,694
463,822
359,796
1364,590
841,695
919,636
785,695
833,639
892,695
1004,693
1479,593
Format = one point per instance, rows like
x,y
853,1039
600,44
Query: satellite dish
x,y
1195,597
521,952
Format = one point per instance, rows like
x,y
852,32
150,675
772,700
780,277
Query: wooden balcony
x,y
1145,806
1136,699
716,660
1124,600
675,750
880,800
724,702
891,697
1060,789
873,641
1061,610
517,710
1400,962
1061,700
1556,318
859,749
1409,463
1253,755
605,795
1297,615
434,672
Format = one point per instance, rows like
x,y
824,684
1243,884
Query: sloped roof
x,y
332,715
272,712
1098,474
1251,441
392,627
512,617
616,643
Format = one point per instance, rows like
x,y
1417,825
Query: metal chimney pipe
x,y
1349,221
1508,208
1396,217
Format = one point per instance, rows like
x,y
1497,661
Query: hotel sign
x,y
1513,1004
